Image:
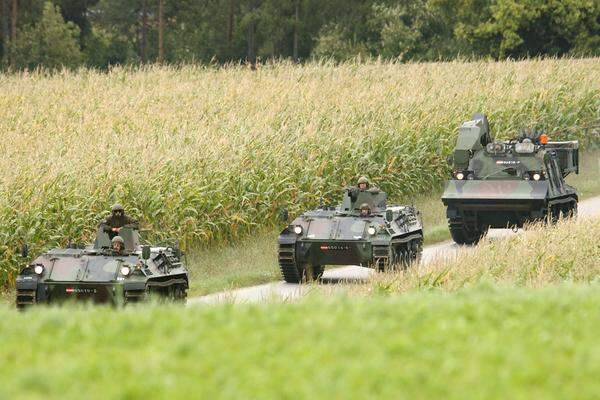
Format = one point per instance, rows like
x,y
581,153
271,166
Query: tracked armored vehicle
x,y
505,184
98,274
388,237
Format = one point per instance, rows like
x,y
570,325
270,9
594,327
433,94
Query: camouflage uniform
x,y
353,191
118,219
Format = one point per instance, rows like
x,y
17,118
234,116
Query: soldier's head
x,y
363,183
118,210
365,210
118,244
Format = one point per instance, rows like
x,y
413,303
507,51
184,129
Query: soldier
x,y
363,183
117,220
118,245
365,210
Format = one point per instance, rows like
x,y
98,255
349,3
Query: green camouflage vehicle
x,y
97,274
504,184
388,236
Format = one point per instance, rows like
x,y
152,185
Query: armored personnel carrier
x,y
98,274
385,237
505,184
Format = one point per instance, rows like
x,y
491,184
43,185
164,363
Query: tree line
x,y
100,33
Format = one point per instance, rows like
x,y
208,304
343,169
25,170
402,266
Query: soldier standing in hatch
x,y
117,220
362,185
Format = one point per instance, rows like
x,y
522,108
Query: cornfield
x,y
205,154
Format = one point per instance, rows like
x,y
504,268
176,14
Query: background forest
x,y
100,33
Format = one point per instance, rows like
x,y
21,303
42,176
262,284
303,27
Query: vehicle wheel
x,y
570,210
290,271
462,235
407,255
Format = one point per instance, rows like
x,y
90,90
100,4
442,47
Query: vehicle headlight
x,y
371,230
470,177
125,270
38,269
536,177
297,229
460,176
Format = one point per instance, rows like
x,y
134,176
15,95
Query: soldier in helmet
x,y
118,245
363,183
117,220
365,210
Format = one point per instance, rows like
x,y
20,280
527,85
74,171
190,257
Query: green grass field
x,y
481,343
209,155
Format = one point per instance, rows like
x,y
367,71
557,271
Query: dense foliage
x,y
205,154
131,31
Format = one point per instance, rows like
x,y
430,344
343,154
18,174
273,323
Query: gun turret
x,y
472,136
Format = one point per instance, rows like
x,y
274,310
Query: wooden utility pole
x,y
296,28
161,29
144,38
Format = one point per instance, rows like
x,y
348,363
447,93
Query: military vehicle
x,y
98,274
507,183
389,236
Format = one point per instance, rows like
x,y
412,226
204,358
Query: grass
x,y
254,260
587,181
484,342
207,154
540,256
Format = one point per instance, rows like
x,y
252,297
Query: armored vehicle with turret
x,y
363,230
507,183
99,274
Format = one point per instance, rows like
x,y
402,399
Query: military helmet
x,y
365,206
117,207
117,239
363,179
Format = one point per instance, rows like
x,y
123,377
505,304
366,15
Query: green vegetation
x,y
540,256
113,32
587,181
209,155
479,343
51,43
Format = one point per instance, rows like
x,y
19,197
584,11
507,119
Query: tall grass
x,y
204,154
540,256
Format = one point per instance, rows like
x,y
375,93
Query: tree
x,y
522,28
161,30
5,33
52,43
